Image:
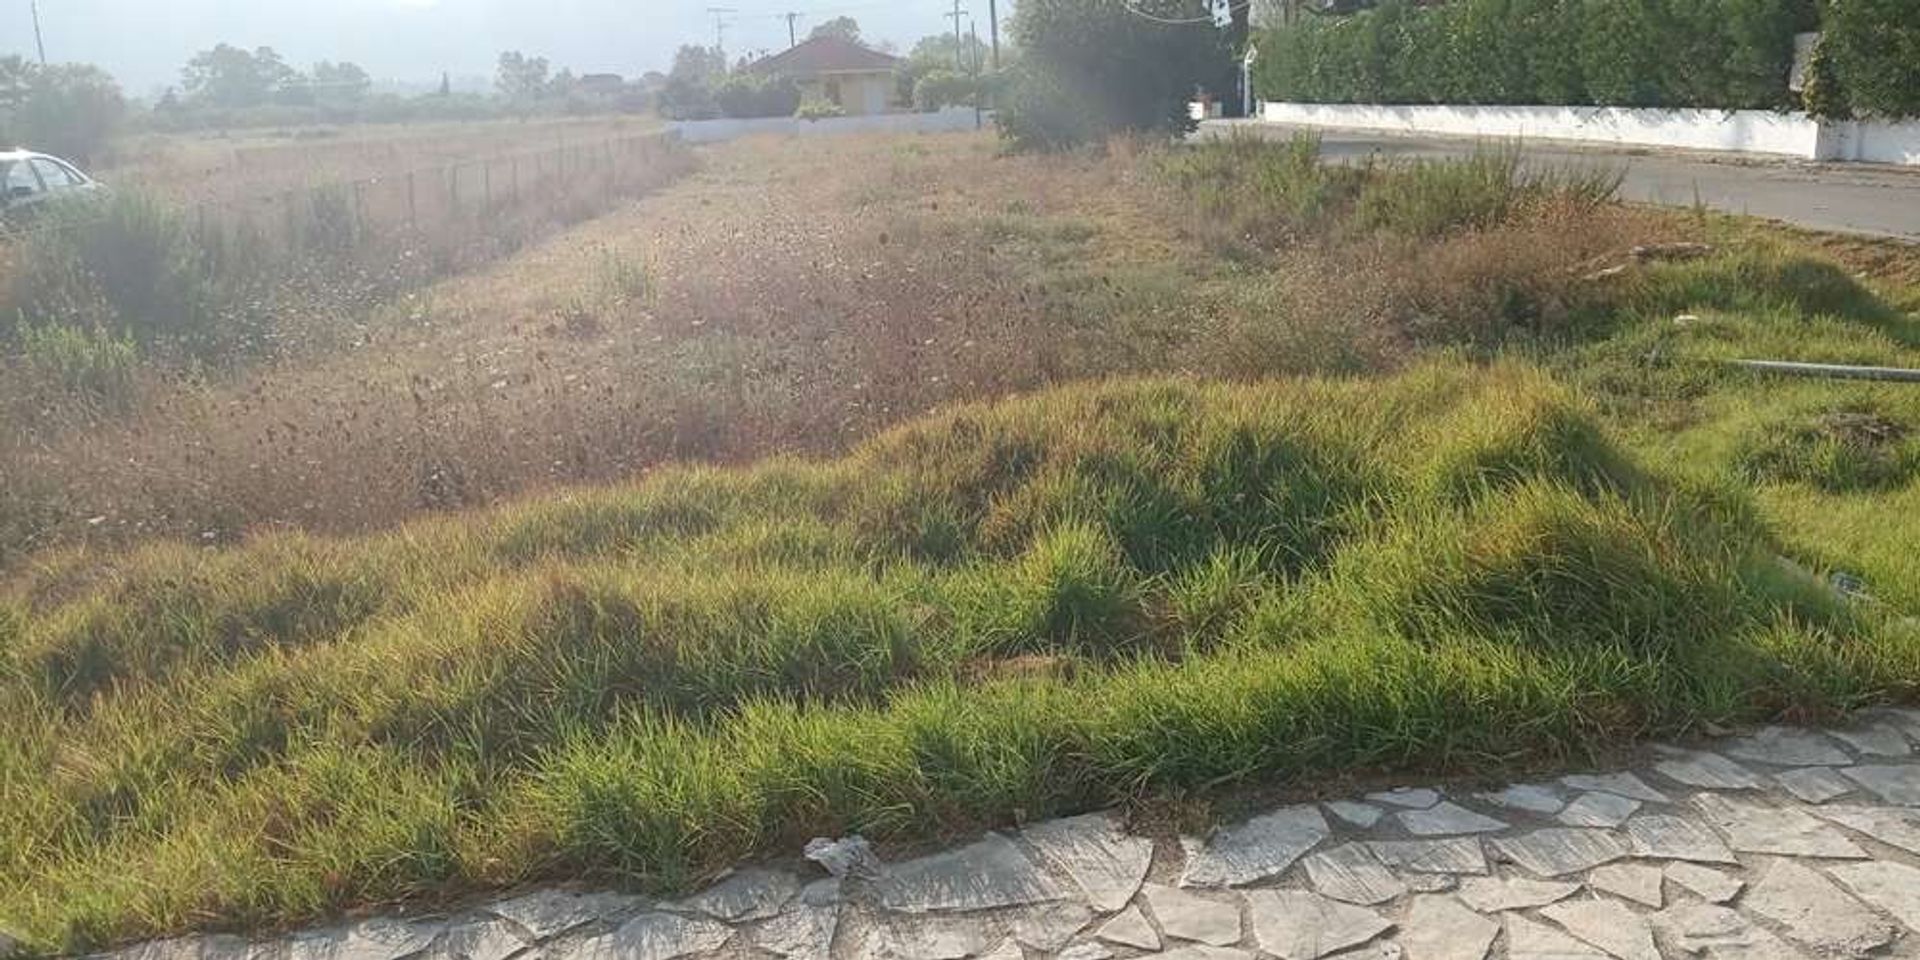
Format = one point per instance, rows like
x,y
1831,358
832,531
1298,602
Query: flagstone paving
x,y
1780,844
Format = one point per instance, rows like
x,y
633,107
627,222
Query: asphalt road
x,y
1846,198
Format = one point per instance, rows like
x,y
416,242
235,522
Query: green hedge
x,y
1642,53
1874,47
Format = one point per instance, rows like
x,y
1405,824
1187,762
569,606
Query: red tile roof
x,y
827,54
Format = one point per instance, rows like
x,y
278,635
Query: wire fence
x,y
566,183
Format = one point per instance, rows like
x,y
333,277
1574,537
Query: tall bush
x,y
1095,67
123,266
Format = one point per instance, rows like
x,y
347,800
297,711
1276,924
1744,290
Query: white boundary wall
x,y
1872,141
714,131
1740,131
1733,131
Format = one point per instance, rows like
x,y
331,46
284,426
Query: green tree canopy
x,y
228,76
846,28
521,77
340,82
69,109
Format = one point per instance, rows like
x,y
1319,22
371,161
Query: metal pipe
x,y
1832,371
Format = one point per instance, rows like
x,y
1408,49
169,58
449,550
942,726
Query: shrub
x,y
819,110
945,88
747,95
122,265
87,364
1091,68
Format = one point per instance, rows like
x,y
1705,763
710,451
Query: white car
x,y
28,179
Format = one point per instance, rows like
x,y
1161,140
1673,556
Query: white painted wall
x,y
1872,141
715,131
1740,131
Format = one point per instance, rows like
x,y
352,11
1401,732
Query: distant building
x,y
603,84
837,70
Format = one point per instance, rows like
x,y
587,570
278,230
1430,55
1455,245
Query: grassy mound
x,y
1007,611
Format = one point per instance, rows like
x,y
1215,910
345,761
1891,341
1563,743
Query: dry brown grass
x,y
798,295
194,167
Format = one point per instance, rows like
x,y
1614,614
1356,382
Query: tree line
x,y
75,110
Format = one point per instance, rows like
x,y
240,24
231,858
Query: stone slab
x,y
1896,785
1706,770
1453,855
1666,837
1106,863
1619,784
1752,828
1706,883
1606,924
1352,874
1630,881
1439,927
1894,826
991,872
1362,815
1448,819
1533,940
1529,798
1876,740
1254,850
1598,810
1814,784
1893,887
1720,933
1189,916
1411,798
1050,926
549,913
1130,928
1559,851
1297,925
747,895
805,931
494,938
1495,894
1813,911
655,936
1788,747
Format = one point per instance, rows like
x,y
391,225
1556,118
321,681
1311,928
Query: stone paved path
x,y
1778,844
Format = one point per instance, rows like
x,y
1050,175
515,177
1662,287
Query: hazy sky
x,y
144,42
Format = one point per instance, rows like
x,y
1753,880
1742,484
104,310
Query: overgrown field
x,y
1086,480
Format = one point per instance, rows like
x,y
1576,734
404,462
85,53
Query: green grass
x,y
1082,597
1832,466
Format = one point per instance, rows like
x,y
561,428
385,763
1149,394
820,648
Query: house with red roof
x,y
860,80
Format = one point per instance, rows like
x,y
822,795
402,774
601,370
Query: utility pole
x,y
38,40
993,30
959,42
979,118
720,28
793,37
